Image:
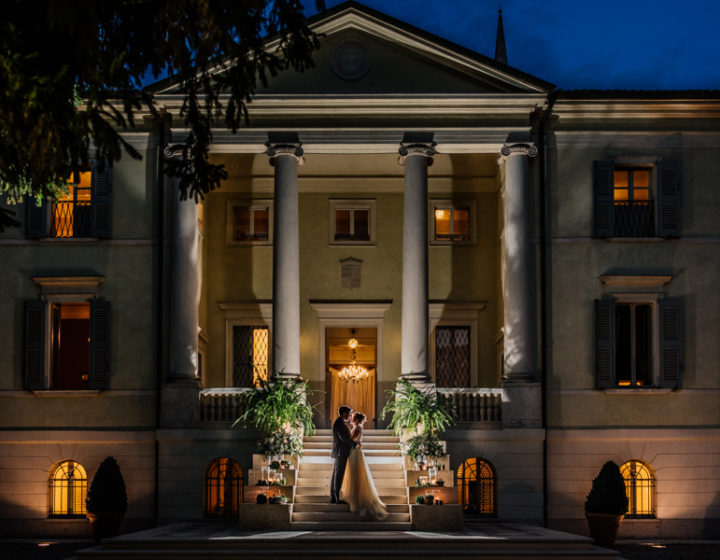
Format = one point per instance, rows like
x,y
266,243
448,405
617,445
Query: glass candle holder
x,y
264,473
423,480
432,475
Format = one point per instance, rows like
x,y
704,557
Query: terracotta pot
x,y
104,525
603,527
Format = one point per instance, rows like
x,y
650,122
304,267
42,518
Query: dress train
x,y
358,488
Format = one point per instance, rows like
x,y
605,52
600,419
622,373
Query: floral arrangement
x,y
279,499
427,444
280,482
281,443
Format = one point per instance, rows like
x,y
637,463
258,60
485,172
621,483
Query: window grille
x,y
477,488
640,489
452,356
71,214
68,488
223,488
250,355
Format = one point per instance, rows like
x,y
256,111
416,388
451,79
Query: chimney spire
x,y
500,50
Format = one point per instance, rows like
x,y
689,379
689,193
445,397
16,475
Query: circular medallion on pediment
x,y
351,60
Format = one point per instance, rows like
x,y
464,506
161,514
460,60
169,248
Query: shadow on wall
x,y
711,528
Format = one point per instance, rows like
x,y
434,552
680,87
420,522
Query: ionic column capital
x,y
290,149
524,149
416,149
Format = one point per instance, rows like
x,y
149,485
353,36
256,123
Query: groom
x,y
342,444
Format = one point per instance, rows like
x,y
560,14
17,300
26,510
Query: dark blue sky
x,y
575,44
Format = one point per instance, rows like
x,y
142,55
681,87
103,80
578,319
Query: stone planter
x,y
105,525
603,527
264,517
447,517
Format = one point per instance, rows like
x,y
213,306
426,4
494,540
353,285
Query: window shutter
x,y
101,188
669,200
34,345
670,343
37,220
99,344
604,219
604,343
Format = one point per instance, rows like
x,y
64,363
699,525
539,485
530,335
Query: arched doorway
x,y
359,395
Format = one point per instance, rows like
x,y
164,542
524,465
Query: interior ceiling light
x,y
353,373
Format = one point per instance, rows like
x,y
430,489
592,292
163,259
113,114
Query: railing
x,y
474,404
220,404
634,219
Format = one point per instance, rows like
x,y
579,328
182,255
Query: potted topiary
x,y
606,505
106,500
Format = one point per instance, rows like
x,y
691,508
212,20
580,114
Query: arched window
x,y
68,487
223,488
477,488
640,487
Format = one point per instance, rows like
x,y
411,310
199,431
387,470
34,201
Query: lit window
x,y
70,359
67,336
68,488
640,489
84,210
71,212
251,353
452,356
451,222
633,344
352,222
223,488
636,198
250,222
477,488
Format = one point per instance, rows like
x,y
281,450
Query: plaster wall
x,y
686,463
128,263
28,457
578,261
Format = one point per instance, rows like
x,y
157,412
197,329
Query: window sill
x,y
67,239
67,392
639,391
654,239
353,242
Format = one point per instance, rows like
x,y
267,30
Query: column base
x,y
521,404
413,377
282,375
180,404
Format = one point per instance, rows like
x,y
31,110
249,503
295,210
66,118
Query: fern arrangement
x,y
280,410
411,408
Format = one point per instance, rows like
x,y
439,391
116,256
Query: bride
x,y
358,488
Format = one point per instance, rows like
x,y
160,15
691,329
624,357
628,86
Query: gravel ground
x,y
61,549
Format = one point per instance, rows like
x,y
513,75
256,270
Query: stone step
x,y
367,452
335,517
366,439
326,459
380,482
357,526
342,508
322,498
325,489
366,445
395,467
372,432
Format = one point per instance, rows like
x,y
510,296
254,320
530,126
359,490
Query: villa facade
x,y
544,258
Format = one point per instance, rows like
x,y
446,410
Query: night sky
x,y
577,44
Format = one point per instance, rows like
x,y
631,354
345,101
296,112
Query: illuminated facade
x,y
545,258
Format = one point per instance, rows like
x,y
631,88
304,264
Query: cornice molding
x,y
634,109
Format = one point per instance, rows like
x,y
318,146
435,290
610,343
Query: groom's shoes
x,y
342,502
333,500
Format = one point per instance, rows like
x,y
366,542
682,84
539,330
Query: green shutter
x,y
35,344
670,343
101,200
604,343
669,200
99,344
37,219
604,209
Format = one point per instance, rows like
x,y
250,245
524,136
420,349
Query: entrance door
x,y
360,395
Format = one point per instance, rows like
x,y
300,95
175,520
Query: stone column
x,y
414,351
179,400
518,273
286,157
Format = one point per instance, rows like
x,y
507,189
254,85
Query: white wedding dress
x,y
358,488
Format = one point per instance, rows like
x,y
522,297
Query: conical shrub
x,y
107,492
607,494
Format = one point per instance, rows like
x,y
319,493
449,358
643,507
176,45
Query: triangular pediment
x,y
365,52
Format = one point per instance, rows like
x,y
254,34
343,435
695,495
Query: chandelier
x,y
353,373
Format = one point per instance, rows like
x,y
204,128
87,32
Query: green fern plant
x,y
410,407
280,405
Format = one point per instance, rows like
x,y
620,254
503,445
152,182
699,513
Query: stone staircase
x,y
312,510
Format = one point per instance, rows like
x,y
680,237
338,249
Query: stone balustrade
x,y
220,404
474,404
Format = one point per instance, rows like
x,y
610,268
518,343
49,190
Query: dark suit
x,y
342,444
